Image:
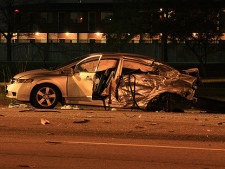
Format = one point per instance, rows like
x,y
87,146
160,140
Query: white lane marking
x,y
144,145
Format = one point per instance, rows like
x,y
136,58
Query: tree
x,y
126,22
11,19
176,20
197,25
8,17
138,17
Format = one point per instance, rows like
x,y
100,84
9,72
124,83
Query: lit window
x,y
106,17
76,17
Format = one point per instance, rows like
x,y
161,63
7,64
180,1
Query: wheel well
x,y
59,91
168,102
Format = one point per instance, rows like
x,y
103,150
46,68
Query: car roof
x,y
108,55
128,55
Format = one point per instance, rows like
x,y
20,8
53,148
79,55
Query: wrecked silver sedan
x,y
118,80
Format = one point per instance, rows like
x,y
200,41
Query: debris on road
x,y
69,107
220,123
81,121
26,110
54,142
39,110
46,110
129,116
113,109
171,130
139,127
18,105
27,166
14,105
154,124
44,121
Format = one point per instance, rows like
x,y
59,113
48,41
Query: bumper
x,y
19,91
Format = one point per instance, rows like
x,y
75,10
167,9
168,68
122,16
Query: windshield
x,y
69,63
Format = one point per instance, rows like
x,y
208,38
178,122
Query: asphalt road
x,y
93,138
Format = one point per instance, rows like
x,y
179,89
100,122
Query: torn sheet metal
x,y
137,90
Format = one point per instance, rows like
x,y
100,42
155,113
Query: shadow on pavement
x,y
210,105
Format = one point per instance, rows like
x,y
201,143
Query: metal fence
x,y
177,52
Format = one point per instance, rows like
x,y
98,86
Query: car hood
x,y
31,73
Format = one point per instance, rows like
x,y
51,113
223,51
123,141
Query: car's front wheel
x,y
45,96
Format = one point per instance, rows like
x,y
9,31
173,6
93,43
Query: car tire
x,y
45,96
168,102
158,103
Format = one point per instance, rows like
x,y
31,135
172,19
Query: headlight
x,y
25,80
12,81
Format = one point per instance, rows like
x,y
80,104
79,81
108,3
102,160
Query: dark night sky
x,y
83,1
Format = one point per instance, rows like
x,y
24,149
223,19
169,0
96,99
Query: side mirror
x,y
67,71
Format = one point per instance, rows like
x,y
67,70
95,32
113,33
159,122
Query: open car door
x,y
79,87
107,72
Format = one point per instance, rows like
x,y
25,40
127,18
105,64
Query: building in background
x,y
69,23
63,23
